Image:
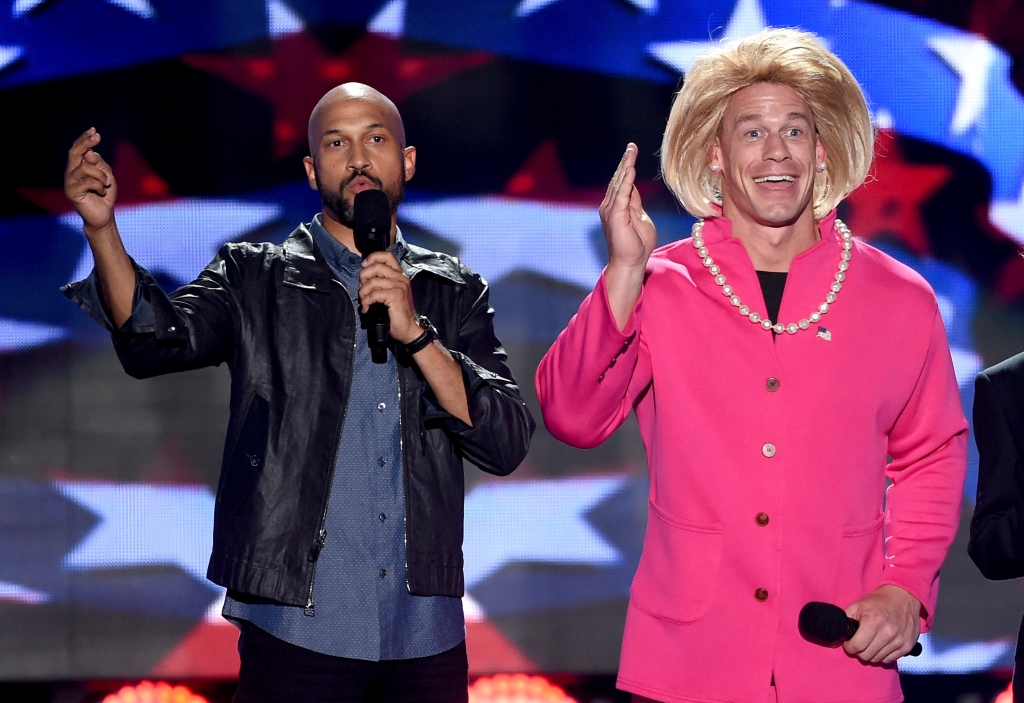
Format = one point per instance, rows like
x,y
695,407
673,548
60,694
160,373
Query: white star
x,y
960,659
971,58
528,7
9,54
535,521
143,525
178,237
142,8
1008,215
498,235
747,18
22,594
389,20
281,20
17,334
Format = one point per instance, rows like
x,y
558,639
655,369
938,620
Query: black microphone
x,y
371,220
827,625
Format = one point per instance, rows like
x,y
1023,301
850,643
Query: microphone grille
x,y
823,623
371,210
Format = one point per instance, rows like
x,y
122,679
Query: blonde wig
x,y
787,57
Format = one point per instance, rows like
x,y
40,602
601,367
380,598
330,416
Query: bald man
x,y
339,513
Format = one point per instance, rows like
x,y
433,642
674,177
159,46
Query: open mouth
x,y
775,179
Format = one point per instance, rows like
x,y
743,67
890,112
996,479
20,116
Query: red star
x,y
541,177
298,72
137,183
889,202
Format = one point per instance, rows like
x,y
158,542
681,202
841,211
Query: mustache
x,y
362,174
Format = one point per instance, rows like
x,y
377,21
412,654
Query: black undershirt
x,y
772,285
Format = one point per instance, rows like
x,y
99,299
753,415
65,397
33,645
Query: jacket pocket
x,y
860,559
244,462
677,578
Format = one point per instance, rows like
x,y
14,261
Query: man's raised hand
x,y
89,183
631,237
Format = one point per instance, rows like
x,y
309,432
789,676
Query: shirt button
x,y
382,517
171,328
380,407
772,384
383,462
761,594
761,519
768,450
384,572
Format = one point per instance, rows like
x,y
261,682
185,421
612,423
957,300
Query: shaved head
x,y
354,91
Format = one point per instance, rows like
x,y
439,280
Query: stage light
x,y
148,692
516,688
1006,696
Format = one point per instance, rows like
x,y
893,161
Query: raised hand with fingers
x,y
89,183
631,237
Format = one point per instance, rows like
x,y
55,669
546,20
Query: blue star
x,y
955,659
17,334
536,521
179,237
142,8
143,525
747,18
498,235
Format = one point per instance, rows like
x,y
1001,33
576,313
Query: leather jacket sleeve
x,y
188,329
997,527
499,437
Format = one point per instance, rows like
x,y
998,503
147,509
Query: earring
x,y
714,168
821,166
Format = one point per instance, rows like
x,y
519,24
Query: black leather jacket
x,y
287,331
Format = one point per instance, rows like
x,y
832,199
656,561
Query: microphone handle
x,y
851,630
378,332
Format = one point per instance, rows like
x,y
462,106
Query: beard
x,y
343,209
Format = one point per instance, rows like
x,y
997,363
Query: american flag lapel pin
x,y
824,334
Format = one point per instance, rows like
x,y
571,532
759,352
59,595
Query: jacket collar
x,y
305,266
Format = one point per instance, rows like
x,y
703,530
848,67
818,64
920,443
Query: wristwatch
x,y
428,336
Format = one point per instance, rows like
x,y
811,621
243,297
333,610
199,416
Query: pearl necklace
x,y
765,323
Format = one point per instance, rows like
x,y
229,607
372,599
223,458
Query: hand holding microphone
x,y
827,625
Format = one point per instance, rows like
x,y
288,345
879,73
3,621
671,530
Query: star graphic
x,y
541,177
142,8
971,58
137,183
176,236
22,594
9,54
281,20
535,521
1008,216
497,235
889,202
389,20
747,18
528,7
143,525
956,659
179,237
372,59
18,334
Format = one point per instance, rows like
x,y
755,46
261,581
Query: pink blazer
x,y
768,462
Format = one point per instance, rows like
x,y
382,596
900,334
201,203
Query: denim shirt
x,y
363,608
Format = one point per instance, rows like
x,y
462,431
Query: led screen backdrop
x,y
520,110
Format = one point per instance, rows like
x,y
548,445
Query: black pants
x,y
274,671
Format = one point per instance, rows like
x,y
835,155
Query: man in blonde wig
x,y
783,375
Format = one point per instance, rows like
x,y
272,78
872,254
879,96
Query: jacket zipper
x,y
321,536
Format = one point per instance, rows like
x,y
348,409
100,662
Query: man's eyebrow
x,y
374,125
754,117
